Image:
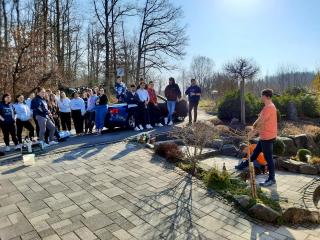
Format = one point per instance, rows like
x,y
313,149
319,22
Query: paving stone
x,y
97,221
85,234
122,235
52,237
4,222
33,235
70,236
6,210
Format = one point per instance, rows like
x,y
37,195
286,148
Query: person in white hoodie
x,y
64,112
78,109
23,117
143,106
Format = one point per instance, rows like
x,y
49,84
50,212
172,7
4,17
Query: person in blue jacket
x,y
42,115
194,93
7,122
120,89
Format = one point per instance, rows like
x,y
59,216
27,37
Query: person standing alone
x,y
194,93
173,94
267,127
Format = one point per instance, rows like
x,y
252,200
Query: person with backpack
x,y
7,122
173,94
194,93
42,115
23,118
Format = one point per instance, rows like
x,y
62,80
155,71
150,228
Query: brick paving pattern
x,y
119,191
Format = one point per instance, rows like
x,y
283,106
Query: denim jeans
x,y
265,146
101,111
171,105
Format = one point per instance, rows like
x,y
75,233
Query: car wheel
x,y
131,122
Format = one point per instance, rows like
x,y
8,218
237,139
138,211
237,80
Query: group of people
x,y
45,113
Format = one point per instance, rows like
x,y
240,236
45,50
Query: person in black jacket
x,y
194,93
7,122
173,94
42,115
132,100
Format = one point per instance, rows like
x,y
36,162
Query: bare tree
x,y
161,35
242,69
201,69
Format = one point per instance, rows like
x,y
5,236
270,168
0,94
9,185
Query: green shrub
x,y
229,107
302,155
310,106
279,147
217,179
169,151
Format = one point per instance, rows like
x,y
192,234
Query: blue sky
x,y
273,32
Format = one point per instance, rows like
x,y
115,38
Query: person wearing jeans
x,y
7,122
23,118
267,127
42,115
101,110
194,93
143,108
173,94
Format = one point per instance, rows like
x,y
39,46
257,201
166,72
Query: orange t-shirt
x,y
269,126
260,159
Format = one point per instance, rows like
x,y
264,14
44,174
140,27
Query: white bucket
x,y
29,159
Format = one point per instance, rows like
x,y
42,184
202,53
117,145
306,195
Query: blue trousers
x,y
265,146
171,105
101,111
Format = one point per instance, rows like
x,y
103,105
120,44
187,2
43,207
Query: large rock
x,y
216,144
229,150
292,111
243,200
263,212
290,165
298,215
291,148
301,141
308,169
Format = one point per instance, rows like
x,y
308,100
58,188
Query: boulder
x,y
291,148
216,144
291,165
229,150
292,111
264,213
301,141
243,200
297,215
308,169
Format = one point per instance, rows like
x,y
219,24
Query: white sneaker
x,y
170,123
7,149
53,143
43,144
137,129
149,126
165,121
159,125
141,128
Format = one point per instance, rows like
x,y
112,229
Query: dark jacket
x,y
39,107
7,112
132,99
103,100
193,89
172,92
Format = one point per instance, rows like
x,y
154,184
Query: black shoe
x,y
268,183
2,154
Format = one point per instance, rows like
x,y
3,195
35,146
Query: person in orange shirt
x,y
267,128
246,151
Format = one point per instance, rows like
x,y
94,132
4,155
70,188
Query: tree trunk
x,y
242,102
107,56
